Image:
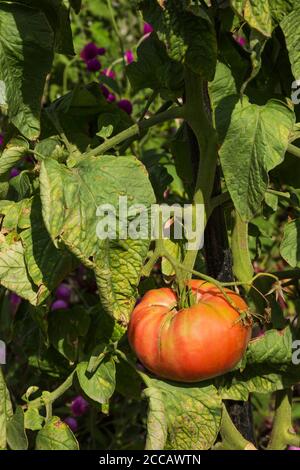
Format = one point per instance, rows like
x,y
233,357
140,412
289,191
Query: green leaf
x,y
17,214
13,272
190,38
26,52
222,86
272,201
72,216
290,245
6,411
57,14
16,435
67,330
193,414
155,70
255,141
257,44
32,419
56,435
260,378
274,347
175,249
22,184
100,385
52,148
291,30
14,151
263,15
157,428
47,265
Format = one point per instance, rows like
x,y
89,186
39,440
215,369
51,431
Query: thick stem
x,y
58,392
232,439
242,265
135,129
196,115
293,150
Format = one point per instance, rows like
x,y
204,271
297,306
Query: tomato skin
x,y
192,344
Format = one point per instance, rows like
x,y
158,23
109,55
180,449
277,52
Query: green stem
x,y
169,114
279,194
282,432
231,437
58,392
197,117
242,265
293,150
148,104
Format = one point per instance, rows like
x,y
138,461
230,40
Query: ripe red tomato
x,y
191,344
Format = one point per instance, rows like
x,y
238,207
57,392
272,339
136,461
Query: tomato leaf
x,y
100,385
274,347
259,136
13,272
192,413
16,435
71,215
291,30
157,428
14,151
56,435
32,419
26,52
262,16
155,70
290,245
47,266
6,411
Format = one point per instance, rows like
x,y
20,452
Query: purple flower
x,y
14,172
109,73
14,299
148,28
1,139
101,50
63,292
90,51
293,448
59,304
93,65
72,423
105,91
125,105
129,57
79,406
111,98
240,40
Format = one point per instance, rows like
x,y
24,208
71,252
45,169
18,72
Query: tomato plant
x,y
153,104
